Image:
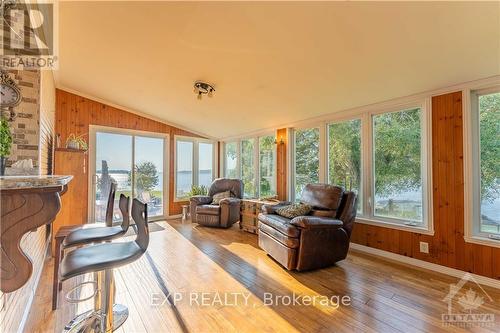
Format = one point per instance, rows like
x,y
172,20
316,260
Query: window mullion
x,y
367,167
195,165
323,160
256,152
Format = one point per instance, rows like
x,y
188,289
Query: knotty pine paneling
x,y
447,247
281,167
74,114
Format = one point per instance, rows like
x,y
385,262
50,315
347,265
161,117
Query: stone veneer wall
x,y
30,140
26,127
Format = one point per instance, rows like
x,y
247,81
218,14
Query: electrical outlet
x,y
424,247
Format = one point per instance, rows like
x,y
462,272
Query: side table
x,y
250,209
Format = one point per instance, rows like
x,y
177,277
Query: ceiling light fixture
x,y
202,88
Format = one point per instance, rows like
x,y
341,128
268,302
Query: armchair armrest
x,y
200,200
271,209
230,202
310,222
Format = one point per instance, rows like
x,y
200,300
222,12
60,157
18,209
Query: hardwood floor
x,y
186,260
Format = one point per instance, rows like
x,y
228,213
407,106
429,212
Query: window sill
x,y
384,224
181,199
482,241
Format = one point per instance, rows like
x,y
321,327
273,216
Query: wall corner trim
x,y
424,264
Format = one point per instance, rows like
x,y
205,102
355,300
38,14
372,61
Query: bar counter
x,y
27,202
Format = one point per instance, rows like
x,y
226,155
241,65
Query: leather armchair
x,y
223,215
314,241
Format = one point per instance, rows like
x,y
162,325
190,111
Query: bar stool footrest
x,y
90,321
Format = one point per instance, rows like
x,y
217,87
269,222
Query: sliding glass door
x,y
148,173
136,162
113,163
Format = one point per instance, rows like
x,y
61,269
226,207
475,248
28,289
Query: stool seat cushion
x,y
99,257
84,236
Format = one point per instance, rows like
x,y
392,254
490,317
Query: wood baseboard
x,y
424,264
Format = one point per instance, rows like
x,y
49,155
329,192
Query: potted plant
x,y
76,142
198,190
5,144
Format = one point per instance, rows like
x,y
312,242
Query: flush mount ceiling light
x,y
202,88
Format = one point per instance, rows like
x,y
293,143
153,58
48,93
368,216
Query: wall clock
x,y
10,94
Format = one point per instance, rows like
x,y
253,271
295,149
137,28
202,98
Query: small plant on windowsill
x,y
76,142
198,190
5,143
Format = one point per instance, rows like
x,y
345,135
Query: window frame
x,y
93,130
367,184
427,226
472,168
256,158
361,197
224,159
322,171
195,177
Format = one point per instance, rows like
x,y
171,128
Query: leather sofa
x,y
314,241
223,215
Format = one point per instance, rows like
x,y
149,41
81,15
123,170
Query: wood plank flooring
x,y
187,260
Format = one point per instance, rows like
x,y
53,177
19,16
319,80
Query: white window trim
x,y
361,196
196,141
275,166
256,156
93,129
472,209
426,170
223,172
361,111
323,160
367,216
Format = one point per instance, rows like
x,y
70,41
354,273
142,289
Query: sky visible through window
x,y
118,148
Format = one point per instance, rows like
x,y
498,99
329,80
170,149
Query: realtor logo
x,y
27,35
465,300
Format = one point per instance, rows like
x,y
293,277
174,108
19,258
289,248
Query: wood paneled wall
x,y
281,161
447,246
74,114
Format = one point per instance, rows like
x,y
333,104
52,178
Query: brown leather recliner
x,y
223,215
314,241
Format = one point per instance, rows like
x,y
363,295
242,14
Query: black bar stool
x,y
84,236
102,259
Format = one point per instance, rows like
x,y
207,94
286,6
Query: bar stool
x,y
83,236
102,259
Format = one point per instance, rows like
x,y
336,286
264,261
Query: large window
x,y
248,167
184,170
397,166
344,155
253,160
205,164
267,166
194,165
382,156
306,158
230,160
489,140
485,196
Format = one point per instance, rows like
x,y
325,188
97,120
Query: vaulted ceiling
x,y
271,63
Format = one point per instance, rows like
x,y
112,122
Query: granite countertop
x,y
24,182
